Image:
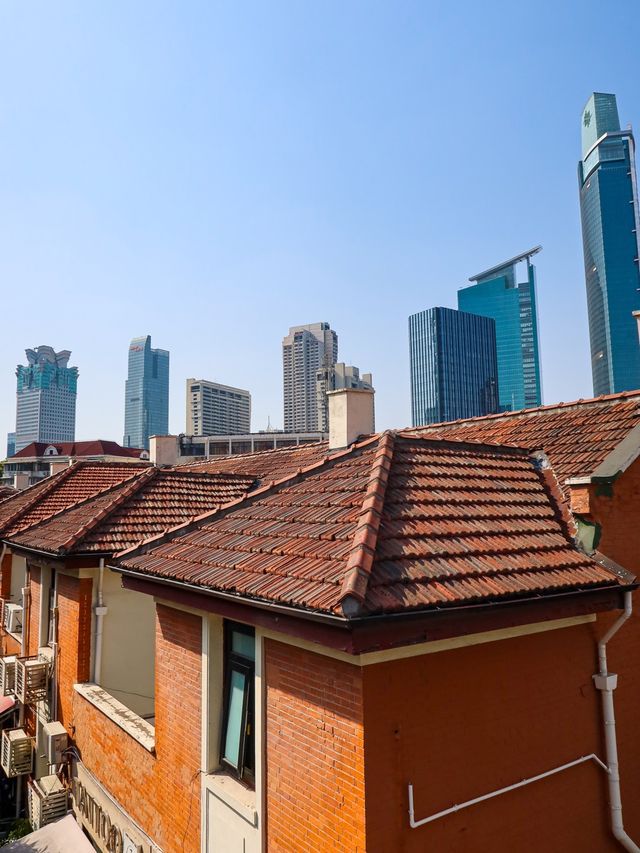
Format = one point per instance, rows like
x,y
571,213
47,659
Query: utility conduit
x,y
416,823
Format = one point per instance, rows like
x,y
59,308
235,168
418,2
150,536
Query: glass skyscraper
x,y
146,407
512,304
609,211
454,369
46,398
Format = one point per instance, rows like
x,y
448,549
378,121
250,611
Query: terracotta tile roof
x,y
99,447
146,505
576,436
395,523
7,492
267,464
65,489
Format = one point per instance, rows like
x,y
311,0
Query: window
x,y
237,750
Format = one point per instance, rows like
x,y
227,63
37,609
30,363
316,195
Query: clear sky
x,y
212,173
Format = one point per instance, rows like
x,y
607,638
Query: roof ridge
x,y
363,547
54,481
603,398
248,498
470,443
128,489
78,504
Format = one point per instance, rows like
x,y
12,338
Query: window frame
x,y
235,662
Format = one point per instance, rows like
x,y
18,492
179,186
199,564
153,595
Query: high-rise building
x,y
512,304
610,236
305,350
334,378
146,405
454,367
214,409
46,397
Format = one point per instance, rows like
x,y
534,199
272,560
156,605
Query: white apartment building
x,y
306,350
214,409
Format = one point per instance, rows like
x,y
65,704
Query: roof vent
x,y
351,414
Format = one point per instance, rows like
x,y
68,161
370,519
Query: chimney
x,y
636,314
351,414
163,450
20,480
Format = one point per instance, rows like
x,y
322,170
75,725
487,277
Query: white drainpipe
x,y
100,611
606,682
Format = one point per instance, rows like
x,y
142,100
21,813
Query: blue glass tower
x,y
454,369
512,305
609,211
146,408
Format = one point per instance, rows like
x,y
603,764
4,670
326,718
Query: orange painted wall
x,y
314,752
74,640
161,792
462,723
35,588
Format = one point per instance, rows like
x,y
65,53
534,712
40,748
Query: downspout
x,y
100,611
606,682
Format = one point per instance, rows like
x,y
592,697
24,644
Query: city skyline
x,y
153,190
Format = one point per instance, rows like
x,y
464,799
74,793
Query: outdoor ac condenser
x,y
12,617
32,679
16,752
48,800
7,675
56,741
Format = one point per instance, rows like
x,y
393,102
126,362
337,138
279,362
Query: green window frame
x,y
237,749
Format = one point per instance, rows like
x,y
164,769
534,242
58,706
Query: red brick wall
x,y
35,588
161,792
74,640
5,576
314,752
462,723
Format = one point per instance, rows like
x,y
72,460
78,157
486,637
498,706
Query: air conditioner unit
x,y
12,617
32,679
8,675
56,741
48,800
16,752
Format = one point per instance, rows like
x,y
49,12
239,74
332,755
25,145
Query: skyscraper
x,y
512,304
454,368
146,405
214,409
46,397
610,229
305,350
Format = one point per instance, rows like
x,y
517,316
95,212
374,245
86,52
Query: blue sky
x,y
211,174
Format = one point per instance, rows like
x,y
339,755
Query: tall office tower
x,y
454,367
512,304
334,378
214,409
46,397
146,403
610,236
305,350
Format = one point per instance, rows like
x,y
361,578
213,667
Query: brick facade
x,y
35,589
314,752
462,723
161,792
74,640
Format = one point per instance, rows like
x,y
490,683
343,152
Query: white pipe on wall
x,y
101,612
606,682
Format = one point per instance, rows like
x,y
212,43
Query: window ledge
x,y
140,730
234,794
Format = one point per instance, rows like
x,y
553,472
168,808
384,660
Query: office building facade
x,y
146,410
214,409
610,227
335,378
46,397
454,367
305,351
496,293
